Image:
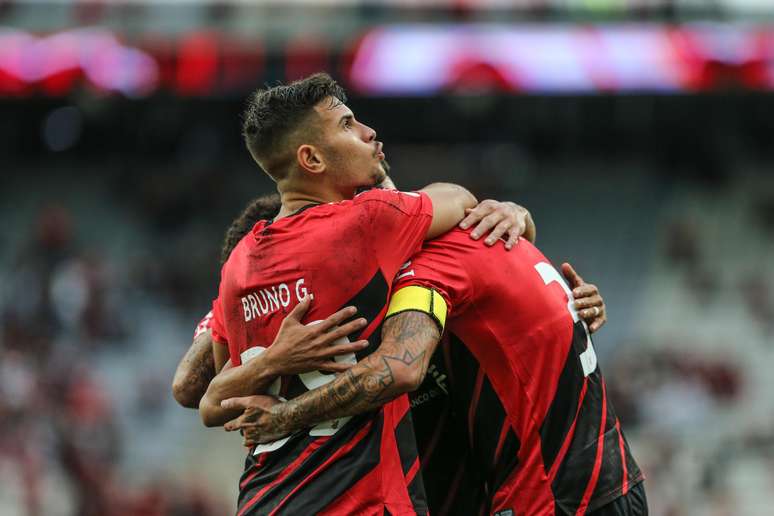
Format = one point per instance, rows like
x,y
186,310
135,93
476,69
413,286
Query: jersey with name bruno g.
x,y
344,253
524,380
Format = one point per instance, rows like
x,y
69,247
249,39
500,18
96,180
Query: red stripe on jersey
x,y
597,460
256,470
625,485
570,432
412,472
474,405
335,456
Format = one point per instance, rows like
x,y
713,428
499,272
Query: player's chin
x,y
379,174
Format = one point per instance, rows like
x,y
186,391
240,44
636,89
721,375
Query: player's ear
x,y
310,159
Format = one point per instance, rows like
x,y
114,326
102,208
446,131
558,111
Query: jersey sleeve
x,y
204,325
216,324
436,268
397,224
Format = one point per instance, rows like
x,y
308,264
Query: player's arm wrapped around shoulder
x,y
414,325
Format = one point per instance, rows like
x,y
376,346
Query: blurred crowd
x,y
695,386
61,444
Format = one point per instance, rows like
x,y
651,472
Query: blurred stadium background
x,y
640,133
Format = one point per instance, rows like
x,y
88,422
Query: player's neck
x,y
294,200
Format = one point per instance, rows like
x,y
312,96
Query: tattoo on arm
x,y
398,366
195,372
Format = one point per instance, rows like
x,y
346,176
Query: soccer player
x,y
542,434
337,251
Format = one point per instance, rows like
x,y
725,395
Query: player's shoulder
x,y
394,197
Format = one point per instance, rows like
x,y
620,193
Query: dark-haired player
x,y
295,348
542,435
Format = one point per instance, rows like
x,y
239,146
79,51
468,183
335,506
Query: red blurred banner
x,y
405,60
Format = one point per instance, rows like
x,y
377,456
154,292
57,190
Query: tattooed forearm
x,y
195,372
398,366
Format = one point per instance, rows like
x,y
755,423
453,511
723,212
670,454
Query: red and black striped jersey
x,y
341,254
523,380
453,484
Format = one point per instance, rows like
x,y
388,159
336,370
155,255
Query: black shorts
x,y
634,503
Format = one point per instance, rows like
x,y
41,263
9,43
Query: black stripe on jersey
x,y
610,481
576,468
335,479
463,369
407,445
574,472
416,490
506,463
406,440
464,494
610,477
488,420
561,413
370,301
453,484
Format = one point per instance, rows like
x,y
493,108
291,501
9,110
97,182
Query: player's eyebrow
x,y
345,118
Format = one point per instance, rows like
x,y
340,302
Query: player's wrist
x,y
268,366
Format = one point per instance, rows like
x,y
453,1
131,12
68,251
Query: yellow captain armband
x,y
419,299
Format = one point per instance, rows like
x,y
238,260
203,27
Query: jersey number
x,y
311,380
588,358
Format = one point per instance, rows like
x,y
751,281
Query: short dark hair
x,y
261,208
274,114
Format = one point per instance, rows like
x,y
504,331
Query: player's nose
x,y
369,133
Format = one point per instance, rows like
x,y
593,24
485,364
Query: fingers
x,y
513,239
590,314
343,349
344,330
530,231
299,311
486,224
234,403
335,319
501,219
233,425
588,302
251,436
597,324
571,276
474,215
586,290
595,317
498,231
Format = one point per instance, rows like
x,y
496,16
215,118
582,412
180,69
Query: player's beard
x,y
380,174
